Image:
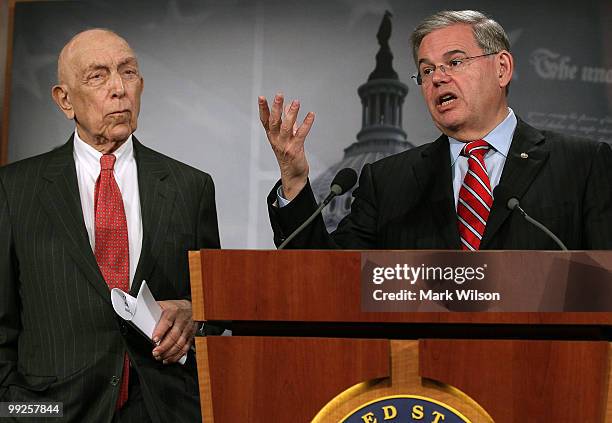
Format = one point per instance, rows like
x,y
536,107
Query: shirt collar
x,y
499,138
91,157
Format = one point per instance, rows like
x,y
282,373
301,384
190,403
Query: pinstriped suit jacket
x,y
406,201
59,337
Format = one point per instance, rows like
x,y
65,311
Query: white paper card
x,y
142,311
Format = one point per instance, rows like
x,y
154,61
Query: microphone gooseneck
x,y
512,203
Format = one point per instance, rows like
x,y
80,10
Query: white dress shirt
x,y
87,162
499,139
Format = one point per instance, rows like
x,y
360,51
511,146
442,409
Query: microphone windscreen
x,y
344,180
512,203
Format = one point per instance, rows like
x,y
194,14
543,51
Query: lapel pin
x,y
524,155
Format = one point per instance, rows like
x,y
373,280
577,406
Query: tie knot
x,y
107,162
478,148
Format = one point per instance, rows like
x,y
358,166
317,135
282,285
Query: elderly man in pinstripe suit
x,y
101,211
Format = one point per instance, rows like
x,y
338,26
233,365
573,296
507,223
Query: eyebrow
x,y
98,66
128,61
445,55
95,66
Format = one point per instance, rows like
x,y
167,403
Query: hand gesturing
x,y
287,141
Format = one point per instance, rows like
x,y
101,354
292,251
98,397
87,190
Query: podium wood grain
x,y
522,381
266,377
261,380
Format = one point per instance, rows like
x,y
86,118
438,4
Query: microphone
x,y
344,180
512,203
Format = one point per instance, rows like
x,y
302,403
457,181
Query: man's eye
x,y
129,73
455,62
427,71
96,78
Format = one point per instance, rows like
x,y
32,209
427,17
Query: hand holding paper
x,y
175,330
144,313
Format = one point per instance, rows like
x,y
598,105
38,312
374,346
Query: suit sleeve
x,y
355,231
10,323
208,231
208,227
285,220
597,209
359,230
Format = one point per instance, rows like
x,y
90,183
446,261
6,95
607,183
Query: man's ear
x,y
505,68
62,99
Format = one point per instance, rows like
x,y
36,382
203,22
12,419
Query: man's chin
x,y
449,126
120,133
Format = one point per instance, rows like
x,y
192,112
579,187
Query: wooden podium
x,y
303,350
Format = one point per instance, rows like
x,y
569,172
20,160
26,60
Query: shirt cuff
x,y
280,200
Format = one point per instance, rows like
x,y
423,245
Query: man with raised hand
x,y
441,195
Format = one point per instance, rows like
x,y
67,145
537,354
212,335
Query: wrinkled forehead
x,y
443,42
110,55
95,48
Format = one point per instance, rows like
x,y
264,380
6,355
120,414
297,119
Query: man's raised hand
x,y
287,141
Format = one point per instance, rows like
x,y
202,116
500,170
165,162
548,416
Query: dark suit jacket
x,y
60,339
406,201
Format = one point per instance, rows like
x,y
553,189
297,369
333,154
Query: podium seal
x,y
404,408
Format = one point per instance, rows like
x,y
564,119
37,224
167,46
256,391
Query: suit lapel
x,y
60,199
518,174
156,203
434,177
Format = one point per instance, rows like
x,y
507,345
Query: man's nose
x,y
116,85
439,74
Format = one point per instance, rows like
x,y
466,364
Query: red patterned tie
x,y
112,244
475,196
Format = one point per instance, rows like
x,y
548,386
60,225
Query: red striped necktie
x,y
475,196
111,249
